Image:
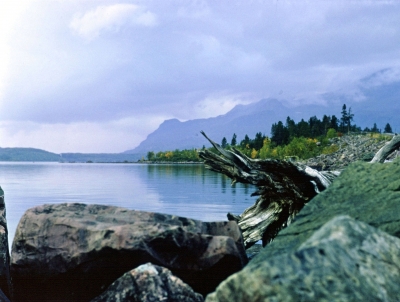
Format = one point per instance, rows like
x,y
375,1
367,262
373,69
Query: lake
x,y
184,190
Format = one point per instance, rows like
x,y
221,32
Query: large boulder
x,y
5,284
366,192
148,283
345,260
75,251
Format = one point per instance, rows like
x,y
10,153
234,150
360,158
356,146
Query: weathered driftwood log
x,y
386,150
283,188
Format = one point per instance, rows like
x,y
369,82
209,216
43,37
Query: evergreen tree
x,y
303,129
343,119
151,156
279,134
334,123
349,119
245,141
388,128
233,141
258,141
375,128
346,119
224,143
291,126
326,121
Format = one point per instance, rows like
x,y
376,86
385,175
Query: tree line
x,y
304,139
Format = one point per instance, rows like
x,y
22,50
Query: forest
x,y
302,140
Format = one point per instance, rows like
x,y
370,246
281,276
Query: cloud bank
x,y
81,67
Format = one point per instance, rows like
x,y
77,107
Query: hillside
x,y
27,154
99,157
379,106
242,119
38,155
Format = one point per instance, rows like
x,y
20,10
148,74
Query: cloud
x,y
111,18
95,62
382,77
217,104
89,137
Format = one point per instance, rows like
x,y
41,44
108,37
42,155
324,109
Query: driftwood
x,y
386,150
283,187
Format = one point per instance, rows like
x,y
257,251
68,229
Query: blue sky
x,y
99,76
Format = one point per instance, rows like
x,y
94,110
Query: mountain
x,y
38,155
242,119
379,104
99,157
27,154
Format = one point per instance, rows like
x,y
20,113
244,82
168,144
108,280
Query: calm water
x,y
184,190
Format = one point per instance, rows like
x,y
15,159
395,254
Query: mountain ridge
x,y
378,105
242,120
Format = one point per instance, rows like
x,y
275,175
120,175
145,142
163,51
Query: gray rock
x,y
364,191
367,192
345,260
350,148
148,283
75,251
5,281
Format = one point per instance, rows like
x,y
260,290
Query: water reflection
x,y
184,190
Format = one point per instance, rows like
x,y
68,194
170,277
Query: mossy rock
x,y
366,192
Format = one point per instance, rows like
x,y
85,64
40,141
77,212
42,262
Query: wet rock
x,y
5,281
147,283
345,260
75,251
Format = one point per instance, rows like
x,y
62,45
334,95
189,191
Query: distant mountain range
x,y
38,155
27,154
380,105
241,120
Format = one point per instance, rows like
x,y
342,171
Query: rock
x,y
147,283
253,251
5,280
366,192
345,260
75,251
3,297
350,148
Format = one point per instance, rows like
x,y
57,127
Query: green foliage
x,y
300,140
346,119
224,143
388,128
176,156
279,134
330,149
151,155
331,133
27,154
233,141
375,129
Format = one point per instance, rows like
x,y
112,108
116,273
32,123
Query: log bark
x,y
283,187
387,149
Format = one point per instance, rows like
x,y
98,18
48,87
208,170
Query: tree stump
x,y
283,187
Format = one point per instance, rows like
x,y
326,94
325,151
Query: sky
x,y
99,76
